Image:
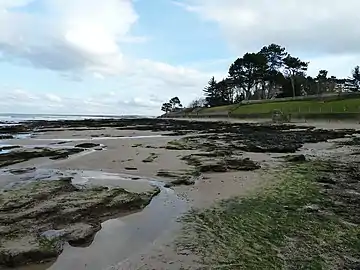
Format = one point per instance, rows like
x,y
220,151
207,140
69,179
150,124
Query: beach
x,y
155,169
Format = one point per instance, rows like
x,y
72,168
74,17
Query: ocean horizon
x,y
12,118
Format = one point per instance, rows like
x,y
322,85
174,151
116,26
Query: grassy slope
x,y
278,229
302,107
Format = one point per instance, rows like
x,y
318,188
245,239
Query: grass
x,y
281,228
294,107
219,109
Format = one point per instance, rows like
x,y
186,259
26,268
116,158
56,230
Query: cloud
x,y
110,103
77,38
69,35
302,25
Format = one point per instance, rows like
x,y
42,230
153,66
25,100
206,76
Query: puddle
x,y
5,151
121,237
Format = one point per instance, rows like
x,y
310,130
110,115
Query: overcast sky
x,y
128,57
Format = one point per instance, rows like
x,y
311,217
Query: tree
x,y
274,55
197,103
355,80
225,92
175,103
166,107
245,72
322,82
211,94
294,67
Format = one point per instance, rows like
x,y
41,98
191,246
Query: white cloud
x,y
53,98
303,25
110,103
322,32
79,37
69,35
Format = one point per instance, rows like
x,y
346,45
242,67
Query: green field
x,y
293,107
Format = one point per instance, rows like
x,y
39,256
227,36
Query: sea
x,y
7,119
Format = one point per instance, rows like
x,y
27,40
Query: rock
x,y
177,145
131,168
239,164
22,170
181,178
87,145
53,234
6,137
4,230
30,212
211,166
7,148
312,208
270,148
151,158
326,180
80,233
28,249
184,181
295,158
21,156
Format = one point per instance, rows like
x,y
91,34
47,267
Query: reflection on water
x,y
121,237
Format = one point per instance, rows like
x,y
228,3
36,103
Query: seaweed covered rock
x,y
87,145
37,217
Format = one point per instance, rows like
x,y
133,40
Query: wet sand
x,y
142,240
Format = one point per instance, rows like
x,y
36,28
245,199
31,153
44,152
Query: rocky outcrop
x,y
38,217
21,155
180,178
87,145
295,158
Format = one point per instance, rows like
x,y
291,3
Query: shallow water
x,y
124,237
120,237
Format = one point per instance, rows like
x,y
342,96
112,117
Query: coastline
x,y
227,153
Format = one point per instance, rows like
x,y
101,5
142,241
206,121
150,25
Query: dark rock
x,y
181,177
211,166
6,137
326,180
6,148
151,158
131,168
239,164
80,233
21,156
27,249
295,158
31,214
184,181
87,145
22,170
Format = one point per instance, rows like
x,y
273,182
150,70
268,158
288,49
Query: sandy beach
x,y
193,164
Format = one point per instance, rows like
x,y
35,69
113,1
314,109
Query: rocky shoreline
x,y
37,217
39,214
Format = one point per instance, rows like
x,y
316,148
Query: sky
x,y
116,57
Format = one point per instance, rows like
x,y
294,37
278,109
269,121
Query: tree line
x,y
271,72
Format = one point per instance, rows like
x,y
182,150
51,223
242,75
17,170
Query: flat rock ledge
x,y
37,218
